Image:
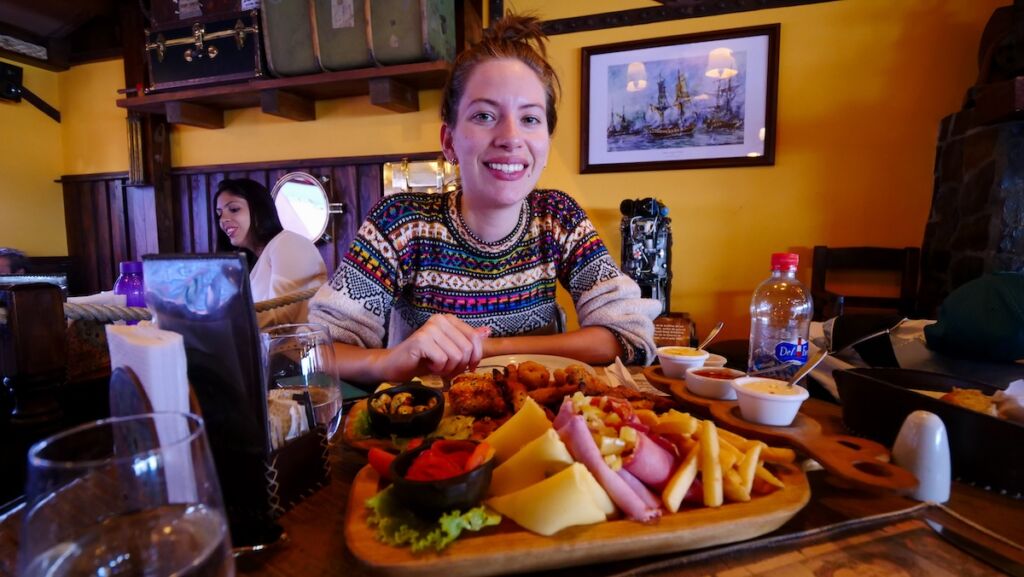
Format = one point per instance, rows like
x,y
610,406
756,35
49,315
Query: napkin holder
x,y
207,299
984,449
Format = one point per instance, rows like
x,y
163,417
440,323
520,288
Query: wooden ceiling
x,y
52,18
72,31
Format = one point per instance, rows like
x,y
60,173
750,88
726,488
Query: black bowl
x,y
414,425
430,499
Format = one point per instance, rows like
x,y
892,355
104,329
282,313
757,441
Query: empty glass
x,y
125,496
299,359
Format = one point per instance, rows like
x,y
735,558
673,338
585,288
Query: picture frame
x,y
693,101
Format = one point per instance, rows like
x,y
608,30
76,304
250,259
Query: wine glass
x,y
299,358
131,495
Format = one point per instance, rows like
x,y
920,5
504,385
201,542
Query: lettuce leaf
x,y
399,527
455,427
361,428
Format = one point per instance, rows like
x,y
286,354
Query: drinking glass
x,y
131,495
299,358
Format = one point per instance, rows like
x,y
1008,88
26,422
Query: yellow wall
x,y
31,203
94,128
862,88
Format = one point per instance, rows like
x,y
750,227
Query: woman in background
x,y
280,261
473,273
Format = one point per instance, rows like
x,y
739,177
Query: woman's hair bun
x,y
524,28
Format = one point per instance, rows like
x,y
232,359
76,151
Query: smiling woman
x,y
451,278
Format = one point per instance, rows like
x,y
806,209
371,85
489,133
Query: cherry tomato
x,y
380,460
480,455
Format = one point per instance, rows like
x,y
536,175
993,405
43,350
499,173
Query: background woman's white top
x,y
289,263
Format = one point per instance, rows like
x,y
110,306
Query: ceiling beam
x,y
672,10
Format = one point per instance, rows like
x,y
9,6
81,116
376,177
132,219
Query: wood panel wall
x,y
97,224
108,221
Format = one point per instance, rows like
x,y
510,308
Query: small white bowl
x,y
769,401
675,360
715,361
712,382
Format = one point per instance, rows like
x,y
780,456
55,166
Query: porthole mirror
x,y
303,205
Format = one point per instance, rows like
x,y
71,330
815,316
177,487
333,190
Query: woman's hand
x,y
443,346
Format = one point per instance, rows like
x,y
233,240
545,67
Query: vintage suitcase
x,y
205,51
412,30
288,31
343,34
174,11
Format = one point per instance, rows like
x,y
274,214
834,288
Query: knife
x,y
975,549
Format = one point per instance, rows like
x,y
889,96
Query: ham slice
x,y
565,412
640,489
650,462
576,436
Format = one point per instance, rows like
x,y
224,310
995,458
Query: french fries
x,y
730,467
710,464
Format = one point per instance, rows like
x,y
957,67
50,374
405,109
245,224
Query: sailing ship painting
x,y
686,102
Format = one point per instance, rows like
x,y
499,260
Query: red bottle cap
x,y
785,260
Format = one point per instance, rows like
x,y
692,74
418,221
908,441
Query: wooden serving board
x,y
861,462
508,548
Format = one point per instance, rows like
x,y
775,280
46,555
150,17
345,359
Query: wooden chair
x,y
905,261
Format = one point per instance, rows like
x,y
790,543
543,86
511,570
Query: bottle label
x,y
792,352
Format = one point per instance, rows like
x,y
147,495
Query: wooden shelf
x,y
393,87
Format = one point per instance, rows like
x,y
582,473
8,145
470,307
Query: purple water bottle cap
x,y
131,266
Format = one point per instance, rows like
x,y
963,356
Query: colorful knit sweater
x,y
415,257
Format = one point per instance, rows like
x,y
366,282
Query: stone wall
x,y
976,223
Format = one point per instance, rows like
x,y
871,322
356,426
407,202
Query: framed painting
x,y
694,101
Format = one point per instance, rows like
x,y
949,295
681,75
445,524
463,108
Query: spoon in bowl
x,y
808,366
711,335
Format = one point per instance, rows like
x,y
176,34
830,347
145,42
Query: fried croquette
x,y
477,395
532,375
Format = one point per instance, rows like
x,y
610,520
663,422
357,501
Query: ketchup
x,y
446,459
715,374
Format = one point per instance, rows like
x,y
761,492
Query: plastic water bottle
x,y
130,284
780,318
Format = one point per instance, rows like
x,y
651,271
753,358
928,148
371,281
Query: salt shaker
x,y
922,447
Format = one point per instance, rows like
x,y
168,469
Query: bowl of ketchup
x,y
442,475
712,382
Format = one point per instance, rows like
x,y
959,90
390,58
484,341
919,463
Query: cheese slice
x,y
539,459
561,501
527,424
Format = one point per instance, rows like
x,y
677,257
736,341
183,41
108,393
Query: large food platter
x,y
511,549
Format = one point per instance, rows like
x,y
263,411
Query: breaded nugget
x,y
576,375
552,396
477,395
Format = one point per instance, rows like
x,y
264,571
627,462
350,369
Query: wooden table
x,y
316,545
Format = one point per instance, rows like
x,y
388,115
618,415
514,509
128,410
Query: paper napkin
x,y
158,359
